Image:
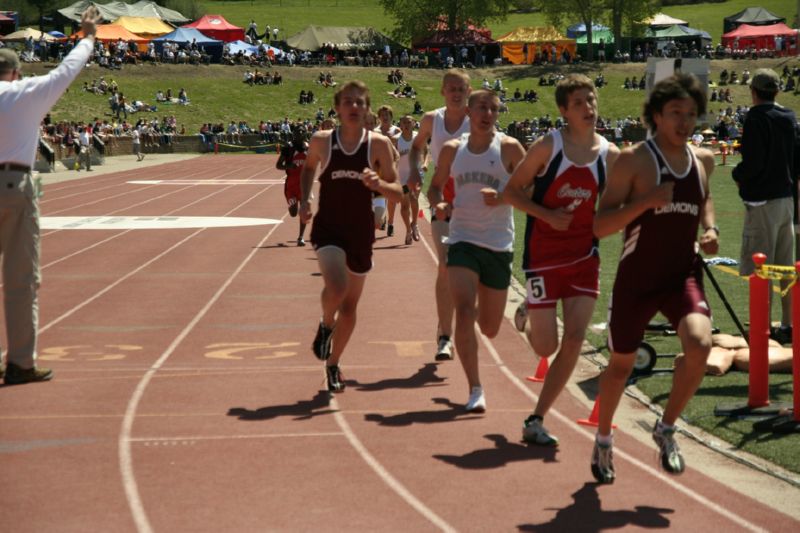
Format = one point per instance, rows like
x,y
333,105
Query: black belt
x,y
14,167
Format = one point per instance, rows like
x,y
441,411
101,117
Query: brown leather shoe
x,y
16,375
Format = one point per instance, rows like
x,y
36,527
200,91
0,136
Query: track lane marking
x,y
125,457
517,382
384,474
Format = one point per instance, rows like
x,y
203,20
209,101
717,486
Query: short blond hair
x,y
456,74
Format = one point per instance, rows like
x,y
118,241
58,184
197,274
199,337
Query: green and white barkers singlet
x,y
473,221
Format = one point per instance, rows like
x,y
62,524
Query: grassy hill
x,y
218,94
291,16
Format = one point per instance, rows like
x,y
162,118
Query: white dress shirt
x,y
24,103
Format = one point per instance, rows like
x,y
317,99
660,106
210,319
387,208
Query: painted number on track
x,y
255,350
86,352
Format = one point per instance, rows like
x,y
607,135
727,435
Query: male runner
x,y
481,236
387,128
658,192
409,205
350,158
291,160
438,127
378,200
567,170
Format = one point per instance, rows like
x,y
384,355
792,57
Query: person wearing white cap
x,y
23,105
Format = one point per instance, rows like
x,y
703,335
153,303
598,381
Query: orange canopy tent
x,y
522,44
112,33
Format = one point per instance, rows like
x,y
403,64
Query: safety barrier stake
x,y
758,395
796,344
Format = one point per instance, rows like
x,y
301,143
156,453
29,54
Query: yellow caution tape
x,y
779,273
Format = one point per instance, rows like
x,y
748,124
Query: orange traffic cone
x,y
594,417
541,371
421,214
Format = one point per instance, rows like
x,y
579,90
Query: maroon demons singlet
x,y
344,217
659,269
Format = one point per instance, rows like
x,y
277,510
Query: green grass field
x,y
218,95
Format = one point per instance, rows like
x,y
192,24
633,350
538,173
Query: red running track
x,y
186,396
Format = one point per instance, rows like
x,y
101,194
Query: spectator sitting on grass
x,y
183,98
248,77
160,96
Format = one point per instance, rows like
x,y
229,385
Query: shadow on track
x,y
424,377
302,410
503,453
586,514
455,412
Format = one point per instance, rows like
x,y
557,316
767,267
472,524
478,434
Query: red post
x,y
796,343
759,335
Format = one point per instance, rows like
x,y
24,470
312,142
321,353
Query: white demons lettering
x,y
681,208
351,174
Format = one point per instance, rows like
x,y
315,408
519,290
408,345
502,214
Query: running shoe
x,y
408,239
415,231
668,451
521,315
782,334
301,241
603,463
534,432
322,342
335,381
477,401
444,351
390,230
16,375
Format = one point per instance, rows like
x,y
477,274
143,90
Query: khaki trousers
x,y
19,252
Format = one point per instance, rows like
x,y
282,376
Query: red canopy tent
x,y
762,37
216,27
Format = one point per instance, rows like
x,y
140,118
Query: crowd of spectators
x,y
256,77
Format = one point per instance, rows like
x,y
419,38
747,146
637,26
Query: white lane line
x,y
71,185
207,182
237,437
139,269
699,498
121,233
148,222
128,193
125,456
384,474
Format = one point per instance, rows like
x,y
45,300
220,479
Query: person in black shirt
x,y
767,180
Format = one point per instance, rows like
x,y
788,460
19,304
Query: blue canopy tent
x,y
57,34
578,29
249,49
184,36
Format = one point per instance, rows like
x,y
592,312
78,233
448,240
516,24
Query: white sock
x,y
605,440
